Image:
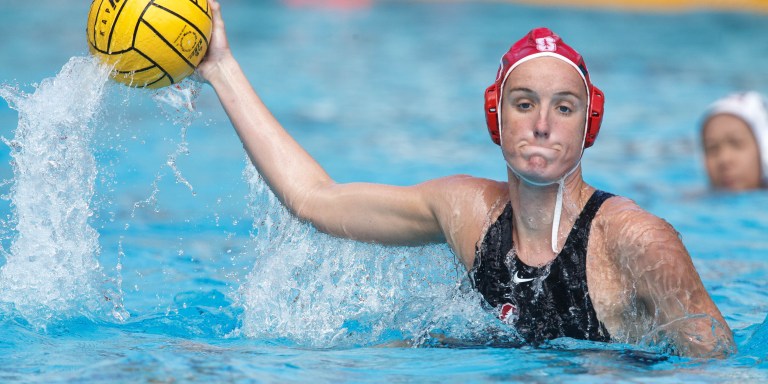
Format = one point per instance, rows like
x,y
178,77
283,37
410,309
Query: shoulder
x,y
463,206
631,232
621,212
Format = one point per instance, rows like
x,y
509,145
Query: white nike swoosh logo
x,y
517,279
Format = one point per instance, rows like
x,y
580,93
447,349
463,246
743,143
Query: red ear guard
x,y
595,118
491,115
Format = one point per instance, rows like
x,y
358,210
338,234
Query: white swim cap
x,y
753,109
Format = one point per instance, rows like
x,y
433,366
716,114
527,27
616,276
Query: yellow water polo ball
x,y
149,43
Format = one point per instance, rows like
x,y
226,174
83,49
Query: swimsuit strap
x,y
590,210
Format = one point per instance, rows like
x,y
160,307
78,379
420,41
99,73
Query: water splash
x,y
316,290
178,104
755,346
51,269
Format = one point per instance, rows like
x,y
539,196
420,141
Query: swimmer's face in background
x,y
731,154
543,113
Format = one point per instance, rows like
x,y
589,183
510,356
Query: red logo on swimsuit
x,y
507,312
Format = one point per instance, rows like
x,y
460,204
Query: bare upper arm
x,y
651,255
449,209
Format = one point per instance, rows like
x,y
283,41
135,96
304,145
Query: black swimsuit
x,y
542,303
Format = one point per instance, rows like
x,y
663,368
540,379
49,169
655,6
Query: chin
x,y
734,187
536,173
536,178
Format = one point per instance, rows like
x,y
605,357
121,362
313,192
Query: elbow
x,y
306,204
719,348
697,336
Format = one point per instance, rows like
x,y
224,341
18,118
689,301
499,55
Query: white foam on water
x,y
316,290
51,270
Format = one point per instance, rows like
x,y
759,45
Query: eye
x,y
564,109
524,106
711,149
738,144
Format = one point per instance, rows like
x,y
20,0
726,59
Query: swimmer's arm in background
x,y
668,284
412,215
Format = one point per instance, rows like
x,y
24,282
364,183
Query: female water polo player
x,y
734,134
551,255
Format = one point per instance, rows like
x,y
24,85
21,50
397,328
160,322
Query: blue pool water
x,y
139,246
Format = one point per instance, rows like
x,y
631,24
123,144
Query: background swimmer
x,y
734,135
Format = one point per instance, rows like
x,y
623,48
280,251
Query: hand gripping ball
x,y
149,43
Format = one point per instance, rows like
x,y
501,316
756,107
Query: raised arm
x,y
362,211
669,286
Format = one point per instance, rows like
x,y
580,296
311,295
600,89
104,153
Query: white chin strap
x,y
558,212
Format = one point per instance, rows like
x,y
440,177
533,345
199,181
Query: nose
x,y
724,158
541,129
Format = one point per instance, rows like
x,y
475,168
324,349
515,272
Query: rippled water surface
x,y
138,245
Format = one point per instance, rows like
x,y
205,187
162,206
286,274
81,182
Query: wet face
x,y
543,109
731,155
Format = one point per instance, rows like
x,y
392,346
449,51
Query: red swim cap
x,y
542,42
